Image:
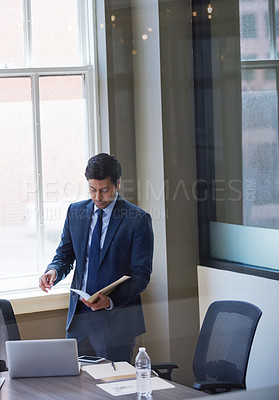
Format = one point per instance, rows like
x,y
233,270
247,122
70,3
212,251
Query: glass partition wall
x,y
236,100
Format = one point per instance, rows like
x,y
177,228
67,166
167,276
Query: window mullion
x,y
38,169
83,32
94,141
27,33
92,33
271,8
277,94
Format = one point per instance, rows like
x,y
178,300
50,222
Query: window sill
x,y
37,301
262,272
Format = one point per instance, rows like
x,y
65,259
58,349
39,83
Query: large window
x,y
260,116
237,141
47,106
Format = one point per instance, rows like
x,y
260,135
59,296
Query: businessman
x,y
103,239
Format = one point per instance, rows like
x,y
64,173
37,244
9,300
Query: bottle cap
x,y
142,348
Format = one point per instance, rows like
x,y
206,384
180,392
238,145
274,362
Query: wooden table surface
x,y
81,387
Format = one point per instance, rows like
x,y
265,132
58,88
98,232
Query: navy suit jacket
x,y
127,250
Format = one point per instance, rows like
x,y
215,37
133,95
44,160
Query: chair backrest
x,y
225,341
8,330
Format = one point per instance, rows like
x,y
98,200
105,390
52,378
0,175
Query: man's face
x,y
102,192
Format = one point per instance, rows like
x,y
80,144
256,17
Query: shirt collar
x,y
109,208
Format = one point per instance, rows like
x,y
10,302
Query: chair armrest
x,y
3,366
164,369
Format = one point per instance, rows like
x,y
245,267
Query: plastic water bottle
x,y
143,373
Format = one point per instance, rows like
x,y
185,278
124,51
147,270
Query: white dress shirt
x,y
105,222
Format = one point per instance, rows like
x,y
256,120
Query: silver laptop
x,y
50,357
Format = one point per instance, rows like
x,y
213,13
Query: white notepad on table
x,y
106,371
129,387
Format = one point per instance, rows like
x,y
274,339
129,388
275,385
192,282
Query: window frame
x,y
88,70
205,134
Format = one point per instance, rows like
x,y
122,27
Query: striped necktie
x,y
94,256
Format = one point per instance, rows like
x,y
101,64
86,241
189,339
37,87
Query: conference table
x,y
81,387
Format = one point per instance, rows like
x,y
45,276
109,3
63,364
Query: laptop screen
x,y
48,357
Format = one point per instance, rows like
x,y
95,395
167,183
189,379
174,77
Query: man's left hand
x,y
102,302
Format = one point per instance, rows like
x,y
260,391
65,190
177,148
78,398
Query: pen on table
x,y
113,365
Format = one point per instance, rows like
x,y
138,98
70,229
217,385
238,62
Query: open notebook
x,y
49,357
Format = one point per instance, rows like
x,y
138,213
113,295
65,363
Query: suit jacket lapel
x,y
115,219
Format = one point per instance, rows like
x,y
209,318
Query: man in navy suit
x,y
109,326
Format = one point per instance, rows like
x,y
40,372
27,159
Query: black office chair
x,y
8,330
223,346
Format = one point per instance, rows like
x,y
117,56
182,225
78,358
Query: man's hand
x,y
102,302
46,280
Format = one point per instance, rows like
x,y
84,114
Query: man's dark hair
x,y
103,166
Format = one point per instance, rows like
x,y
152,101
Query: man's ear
x,y
118,184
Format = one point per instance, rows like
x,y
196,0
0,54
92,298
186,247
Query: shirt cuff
x,y
53,269
111,307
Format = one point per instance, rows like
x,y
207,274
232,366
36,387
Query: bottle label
x,y
143,382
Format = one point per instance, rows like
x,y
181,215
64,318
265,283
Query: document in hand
x,y
106,290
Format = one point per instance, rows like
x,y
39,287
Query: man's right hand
x,y
46,281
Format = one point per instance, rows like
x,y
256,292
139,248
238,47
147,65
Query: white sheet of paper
x,y
101,371
129,387
83,294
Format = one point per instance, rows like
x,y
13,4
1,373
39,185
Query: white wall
x,y
215,284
